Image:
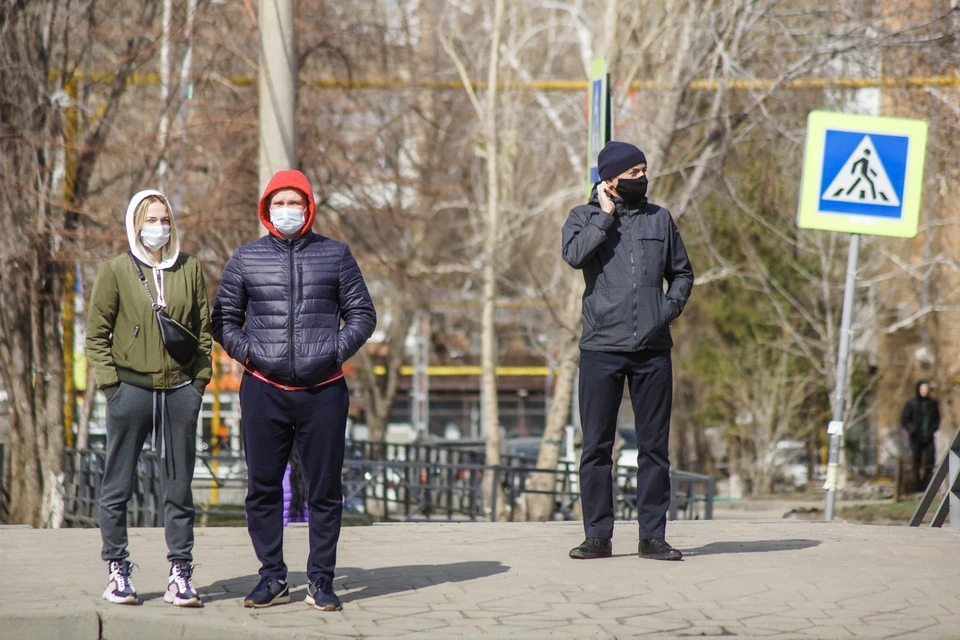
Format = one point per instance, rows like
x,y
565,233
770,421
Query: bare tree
x,y
41,226
769,396
487,113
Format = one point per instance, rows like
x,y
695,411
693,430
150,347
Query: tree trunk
x,y
379,392
39,228
89,403
540,506
488,340
33,376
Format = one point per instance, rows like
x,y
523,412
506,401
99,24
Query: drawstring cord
x,y
161,435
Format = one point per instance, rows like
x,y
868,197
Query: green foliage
x,y
748,221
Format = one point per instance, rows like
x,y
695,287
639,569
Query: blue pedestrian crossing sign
x,y
862,174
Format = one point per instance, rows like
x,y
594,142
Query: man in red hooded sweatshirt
x,y
293,307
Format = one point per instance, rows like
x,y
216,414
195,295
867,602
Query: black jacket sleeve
x,y
230,311
678,271
906,417
585,230
356,309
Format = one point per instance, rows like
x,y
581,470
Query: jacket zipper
x,y
633,272
292,321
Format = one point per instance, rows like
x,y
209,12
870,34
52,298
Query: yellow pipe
x,y
215,424
565,85
71,128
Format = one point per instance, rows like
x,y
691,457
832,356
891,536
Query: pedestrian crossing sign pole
x,y
861,175
600,129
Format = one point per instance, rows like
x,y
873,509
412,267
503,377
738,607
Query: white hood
x,y
170,252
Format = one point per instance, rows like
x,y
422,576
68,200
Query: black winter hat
x,y
617,157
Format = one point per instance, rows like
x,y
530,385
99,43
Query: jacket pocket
x,y
608,314
133,338
299,284
124,347
669,310
599,306
651,314
654,253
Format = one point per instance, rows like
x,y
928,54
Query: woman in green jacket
x,y
148,391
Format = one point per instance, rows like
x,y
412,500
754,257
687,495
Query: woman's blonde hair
x,y
140,218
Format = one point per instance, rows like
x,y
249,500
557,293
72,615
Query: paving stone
x,y
412,624
777,623
773,579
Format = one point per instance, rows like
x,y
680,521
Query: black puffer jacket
x,y
292,295
625,259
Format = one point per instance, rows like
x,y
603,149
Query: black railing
x,y
83,476
414,490
691,495
948,471
392,482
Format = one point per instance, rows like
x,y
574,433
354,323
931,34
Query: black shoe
x,y
268,592
592,548
657,549
320,594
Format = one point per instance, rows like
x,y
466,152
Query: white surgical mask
x,y
155,236
287,220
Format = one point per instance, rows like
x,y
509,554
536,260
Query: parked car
x,y
790,460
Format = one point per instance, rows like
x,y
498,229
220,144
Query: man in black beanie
x,y
626,248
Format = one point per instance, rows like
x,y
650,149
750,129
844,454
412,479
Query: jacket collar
x,y
298,243
622,208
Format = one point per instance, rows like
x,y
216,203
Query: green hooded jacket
x,y
123,335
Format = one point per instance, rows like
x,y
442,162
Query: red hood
x,y
292,179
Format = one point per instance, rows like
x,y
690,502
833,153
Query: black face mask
x,y
633,191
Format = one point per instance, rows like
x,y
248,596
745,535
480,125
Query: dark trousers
x,y
132,415
923,461
650,376
273,420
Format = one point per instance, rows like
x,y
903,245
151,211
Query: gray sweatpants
x,y
133,414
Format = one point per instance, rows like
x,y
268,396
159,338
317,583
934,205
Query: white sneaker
x,y
120,589
180,591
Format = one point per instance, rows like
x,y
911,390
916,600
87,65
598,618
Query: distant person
x,y
147,389
921,420
295,507
292,308
626,248
223,439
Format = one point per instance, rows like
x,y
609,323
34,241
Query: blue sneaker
x,y
320,594
268,592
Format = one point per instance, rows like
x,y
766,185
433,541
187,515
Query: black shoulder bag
x,y
179,341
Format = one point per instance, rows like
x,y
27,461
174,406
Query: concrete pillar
x,y
277,82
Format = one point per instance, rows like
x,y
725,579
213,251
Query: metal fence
x,y
83,476
389,482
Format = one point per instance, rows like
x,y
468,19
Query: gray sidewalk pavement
x,y
752,579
